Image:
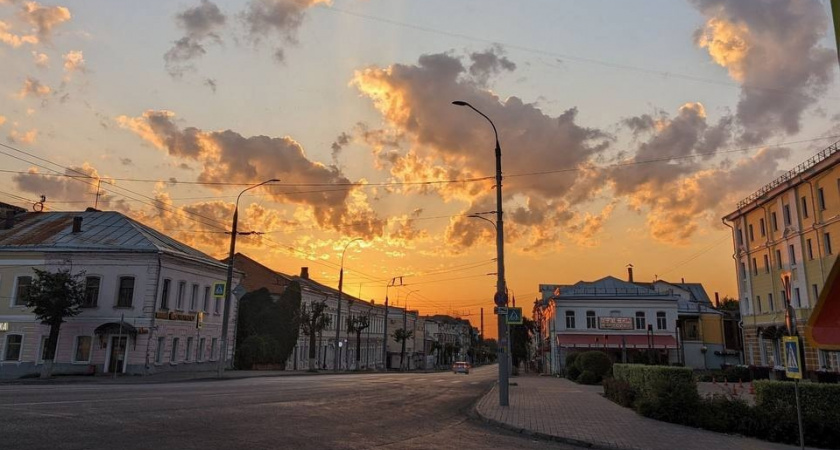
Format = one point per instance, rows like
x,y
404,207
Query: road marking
x,y
474,382
456,381
438,381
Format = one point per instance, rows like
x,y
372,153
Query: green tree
x,y
54,297
401,335
521,337
729,304
275,322
357,324
312,322
288,323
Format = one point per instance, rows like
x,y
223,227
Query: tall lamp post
x,y
501,287
338,316
229,280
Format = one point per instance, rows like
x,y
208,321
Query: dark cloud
x,y
489,63
126,161
211,83
340,142
279,19
201,24
772,48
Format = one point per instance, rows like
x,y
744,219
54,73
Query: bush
x,y
662,392
641,377
727,415
572,372
587,377
820,411
619,391
571,358
598,363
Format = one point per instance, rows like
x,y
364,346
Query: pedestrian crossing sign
x,y
219,289
793,364
514,316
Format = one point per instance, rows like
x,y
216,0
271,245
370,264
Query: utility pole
x,y
481,339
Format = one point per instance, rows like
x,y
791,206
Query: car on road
x,y
461,367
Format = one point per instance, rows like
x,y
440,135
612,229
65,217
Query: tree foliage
x,y
521,337
268,329
357,324
313,321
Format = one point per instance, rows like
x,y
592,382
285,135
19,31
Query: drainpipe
x,y
152,327
723,221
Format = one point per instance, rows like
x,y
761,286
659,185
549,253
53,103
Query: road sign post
x,y
514,316
793,369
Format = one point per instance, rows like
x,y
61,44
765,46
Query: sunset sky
x,y
628,128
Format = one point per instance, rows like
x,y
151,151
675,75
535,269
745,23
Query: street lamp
x,y
501,287
338,316
229,281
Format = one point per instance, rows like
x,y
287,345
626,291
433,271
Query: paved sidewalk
x,y
560,410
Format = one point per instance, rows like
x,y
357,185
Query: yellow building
x,y
791,224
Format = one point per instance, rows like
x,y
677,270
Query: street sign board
x,y
500,310
514,316
219,289
615,323
793,365
500,299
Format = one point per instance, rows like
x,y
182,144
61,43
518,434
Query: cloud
x,y
126,161
74,61
28,137
277,18
43,18
227,156
489,63
211,83
41,59
772,48
201,24
2,120
15,40
340,142
70,190
33,87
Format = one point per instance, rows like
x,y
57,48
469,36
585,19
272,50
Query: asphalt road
x,y
397,411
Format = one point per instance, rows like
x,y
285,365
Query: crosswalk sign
x,y
219,289
793,364
514,316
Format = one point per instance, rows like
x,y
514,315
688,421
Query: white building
x,y
145,295
622,319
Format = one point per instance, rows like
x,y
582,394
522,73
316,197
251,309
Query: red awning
x,y
614,340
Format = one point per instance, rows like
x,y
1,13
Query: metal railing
x,y
611,291
801,168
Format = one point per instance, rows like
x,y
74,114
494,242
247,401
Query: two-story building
x,y
149,304
791,226
625,320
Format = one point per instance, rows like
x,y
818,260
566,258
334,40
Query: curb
x,y
538,434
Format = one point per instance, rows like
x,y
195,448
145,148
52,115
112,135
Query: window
x,y
82,352
126,294
22,288
661,320
821,198
570,319
194,297
779,258
825,360
758,303
740,237
11,351
804,207
774,222
750,229
816,291
640,320
810,248
164,294
797,298
754,267
189,349
218,308
786,211
827,242
591,320
179,300
761,227
42,354
213,345
792,255
199,352
91,292
743,271
206,307
173,357
161,346
766,264
770,302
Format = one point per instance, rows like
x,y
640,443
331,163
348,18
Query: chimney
x,y
10,220
630,273
77,224
304,273
683,280
717,300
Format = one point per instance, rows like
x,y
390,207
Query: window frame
x,y
750,232
761,227
640,315
120,291
821,199
827,243
792,255
160,350
570,319
173,355
19,347
165,293
76,349
774,221
770,302
779,262
804,207
214,346
95,303
788,219
206,302
16,291
810,247
758,304
194,297
766,263
593,323
661,320
199,351
180,294
188,349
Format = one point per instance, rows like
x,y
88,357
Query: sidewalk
x,y
560,410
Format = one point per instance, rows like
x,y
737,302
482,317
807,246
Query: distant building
x,y
149,306
792,224
448,339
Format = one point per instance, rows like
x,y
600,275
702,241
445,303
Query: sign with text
x,y
174,315
615,323
4,326
793,365
501,310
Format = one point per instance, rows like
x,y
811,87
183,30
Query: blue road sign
x,y
793,366
514,316
219,289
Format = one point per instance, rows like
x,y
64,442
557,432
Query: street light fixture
x,y
338,317
501,287
229,281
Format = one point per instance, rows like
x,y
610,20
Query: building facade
x,y
789,226
149,303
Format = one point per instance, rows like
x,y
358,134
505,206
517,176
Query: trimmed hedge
x,y
820,412
663,393
642,377
620,392
598,363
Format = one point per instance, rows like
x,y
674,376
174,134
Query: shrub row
x,y
670,394
588,367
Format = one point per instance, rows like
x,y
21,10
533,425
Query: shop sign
x,y
615,323
4,326
173,315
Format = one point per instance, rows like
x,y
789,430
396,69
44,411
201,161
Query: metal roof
x,y
609,287
101,231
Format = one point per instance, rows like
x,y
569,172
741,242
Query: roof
x,y
699,301
608,287
101,231
308,284
259,276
